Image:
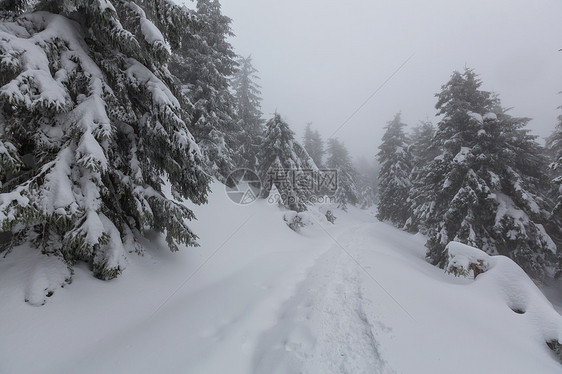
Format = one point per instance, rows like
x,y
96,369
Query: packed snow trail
x,y
323,328
256,298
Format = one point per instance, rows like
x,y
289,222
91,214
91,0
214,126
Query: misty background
x,y
320,60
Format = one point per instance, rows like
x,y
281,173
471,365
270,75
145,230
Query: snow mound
x,y
40,275
49,273
503,278
320,214
466,261
297,221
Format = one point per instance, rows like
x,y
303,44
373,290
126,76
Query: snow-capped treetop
x,y
462,95
247,96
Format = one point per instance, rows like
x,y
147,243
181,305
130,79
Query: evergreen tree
x,y
314,144
394,174
367,174
90,125
554,143
204,64
423,151
484,187
554,226
247,96
338,159
286,165
422,146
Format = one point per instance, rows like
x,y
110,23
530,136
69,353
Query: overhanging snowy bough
x,y
91,127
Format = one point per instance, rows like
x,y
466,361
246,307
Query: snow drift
x,y
500,277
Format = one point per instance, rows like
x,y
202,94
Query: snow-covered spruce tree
x,y
285,165
338,159
554,144
248,113
314,144
422,147
367,176
484,188
204,64
90,125
423,151
394,175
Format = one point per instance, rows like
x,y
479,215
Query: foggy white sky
x,y
320,59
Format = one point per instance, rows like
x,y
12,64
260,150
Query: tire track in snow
x,y
323,327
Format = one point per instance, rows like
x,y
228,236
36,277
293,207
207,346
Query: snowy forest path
x,y
323,327
354,297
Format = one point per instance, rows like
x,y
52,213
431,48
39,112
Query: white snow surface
x,y
505,279
475,116
152,34
490,117
461,156
356,296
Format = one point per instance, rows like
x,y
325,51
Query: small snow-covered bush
x,y
466,261
330,217
555,347
296,221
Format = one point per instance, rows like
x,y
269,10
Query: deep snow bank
x,y
501,277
